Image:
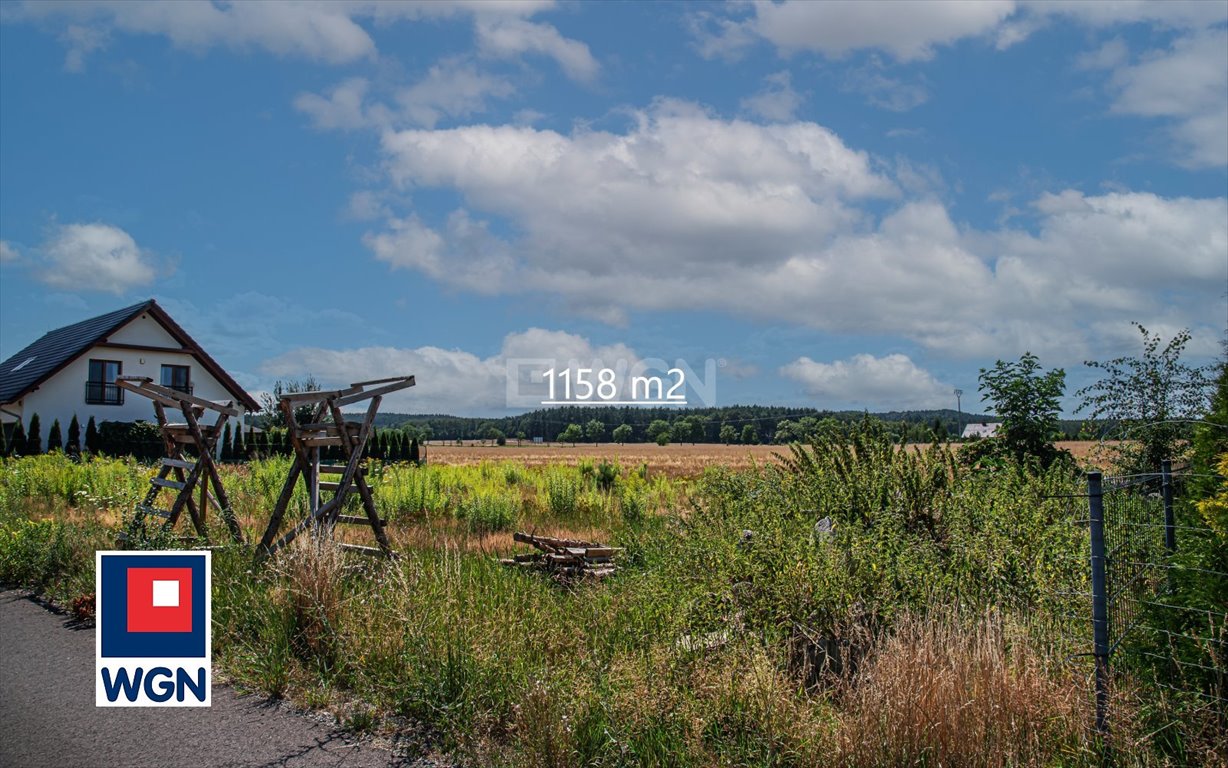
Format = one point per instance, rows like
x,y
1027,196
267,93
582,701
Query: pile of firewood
x,y
564,557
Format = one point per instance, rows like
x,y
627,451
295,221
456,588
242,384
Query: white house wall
x,y
145,331
63,394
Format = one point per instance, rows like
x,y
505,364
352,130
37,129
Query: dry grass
x,y
675,460
311,591
936,693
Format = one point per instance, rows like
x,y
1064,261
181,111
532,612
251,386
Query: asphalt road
x,y
48,717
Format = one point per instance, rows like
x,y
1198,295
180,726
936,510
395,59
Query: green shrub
x,y
489,513
562,494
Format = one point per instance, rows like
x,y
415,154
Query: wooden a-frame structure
x,y
328,427
188,471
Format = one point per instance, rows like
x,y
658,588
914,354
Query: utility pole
x,y
959,424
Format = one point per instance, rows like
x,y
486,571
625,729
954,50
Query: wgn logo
x,y
153,629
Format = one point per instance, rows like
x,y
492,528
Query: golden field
x,y
675,460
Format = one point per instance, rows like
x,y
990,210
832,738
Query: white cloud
x,y
866,381
447,381
1177,14
8,253
467,255
95,257
1189,83
323,31
341,109
330,31
908,31
914,30
777,101
451,88
685,211
505,37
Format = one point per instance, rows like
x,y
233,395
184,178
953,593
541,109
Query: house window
x,y
177,377
100,388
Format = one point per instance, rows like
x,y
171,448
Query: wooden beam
x,y
144,347
407,381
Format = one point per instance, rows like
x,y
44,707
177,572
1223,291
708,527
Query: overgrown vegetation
x,y
926,625
1154,399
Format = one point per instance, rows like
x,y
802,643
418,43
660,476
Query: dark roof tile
x,y
41,360
57,348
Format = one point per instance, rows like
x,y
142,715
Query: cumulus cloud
x,y
866,381
330,31
448,380
915,30
910,31
94,257
1187,82
323,31
451,88
686,211
504,37
8,253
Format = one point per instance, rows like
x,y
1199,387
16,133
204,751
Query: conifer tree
x,y
34,441
17,443
414,451
227,453
92,438
55,439
73,447
236,447
4,443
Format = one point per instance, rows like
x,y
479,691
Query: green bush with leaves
x,y
1155,400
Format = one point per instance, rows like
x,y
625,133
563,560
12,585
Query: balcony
x,y
181,387
103,393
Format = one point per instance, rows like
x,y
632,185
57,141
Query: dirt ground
x,y
679,460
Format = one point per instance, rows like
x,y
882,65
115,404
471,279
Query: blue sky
x,y
850,205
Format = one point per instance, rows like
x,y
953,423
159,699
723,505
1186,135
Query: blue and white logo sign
x,y
154,629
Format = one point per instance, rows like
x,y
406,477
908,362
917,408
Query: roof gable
x,y
55,349
41,360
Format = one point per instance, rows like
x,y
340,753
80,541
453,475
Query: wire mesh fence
x,y
1152,605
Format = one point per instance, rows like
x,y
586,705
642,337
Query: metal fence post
x,y
1170,529
1100,606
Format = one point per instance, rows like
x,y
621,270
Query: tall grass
x,y
942,692
733,634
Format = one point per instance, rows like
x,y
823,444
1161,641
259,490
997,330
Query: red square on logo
x,y
159,599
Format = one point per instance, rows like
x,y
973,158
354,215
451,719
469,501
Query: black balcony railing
x,y
184,388
103,393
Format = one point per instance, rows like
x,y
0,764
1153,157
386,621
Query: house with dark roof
x,y
72,370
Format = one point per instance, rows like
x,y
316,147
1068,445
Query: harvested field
x,y
678,460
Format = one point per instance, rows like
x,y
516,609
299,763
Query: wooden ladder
x,y
177,472
329,428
